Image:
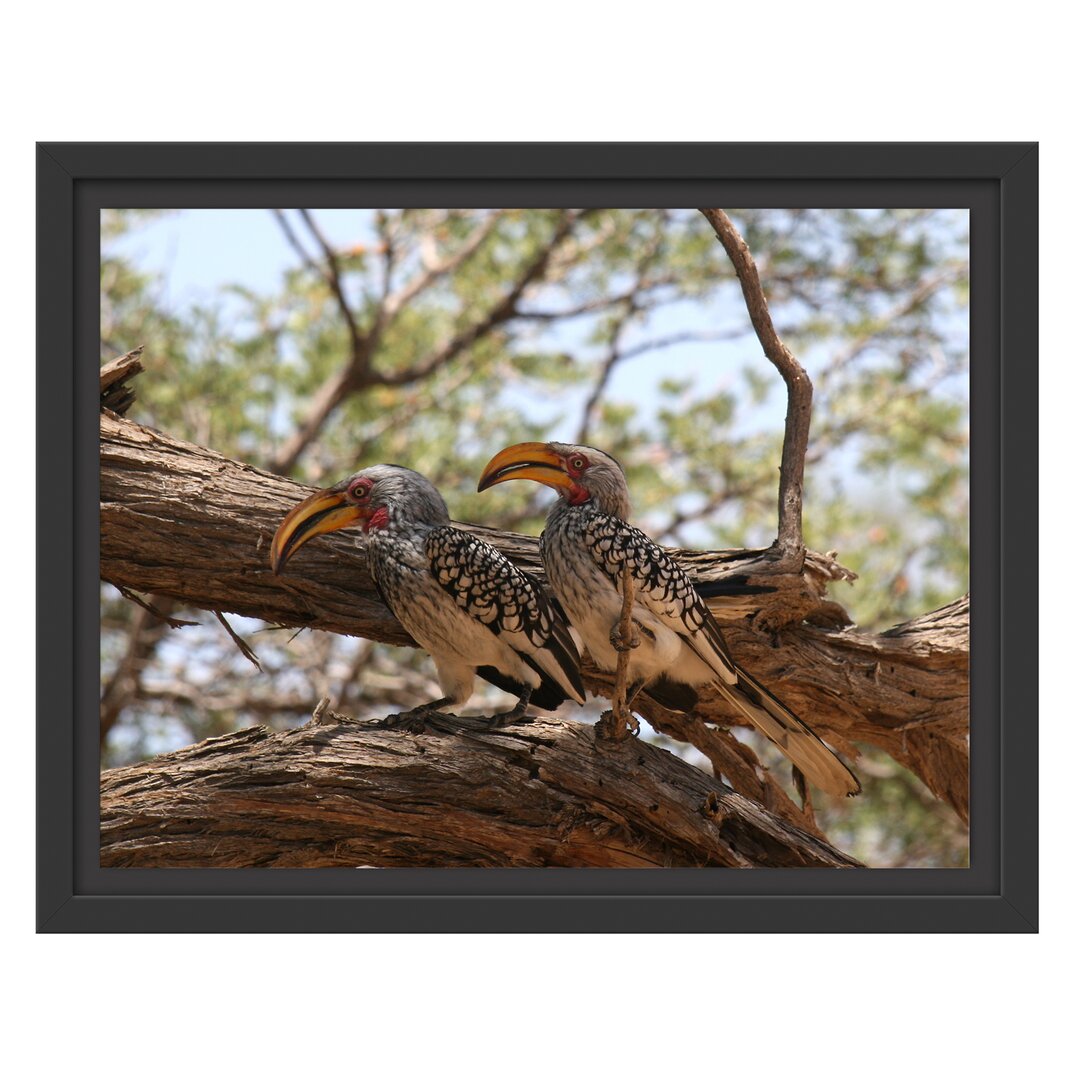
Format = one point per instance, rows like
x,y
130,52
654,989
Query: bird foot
x,y
613,728
424,721
505,719
621,644
416,721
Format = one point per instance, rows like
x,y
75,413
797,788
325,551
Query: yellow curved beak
x,y
323,512
526,461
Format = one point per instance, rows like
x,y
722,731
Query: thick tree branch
x,y
335,792
182,521
800,390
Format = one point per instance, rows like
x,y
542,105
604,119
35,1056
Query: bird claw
x,y
505,719
612,728
621,644
416,721
424,721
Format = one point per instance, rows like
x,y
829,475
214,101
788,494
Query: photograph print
x,y
608,538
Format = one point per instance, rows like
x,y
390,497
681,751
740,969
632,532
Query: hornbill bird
x,y
463,601
585,547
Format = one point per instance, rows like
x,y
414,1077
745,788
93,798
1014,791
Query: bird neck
x,y
611,503
392,521
609,496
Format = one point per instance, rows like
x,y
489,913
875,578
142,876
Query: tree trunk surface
x,y
337,792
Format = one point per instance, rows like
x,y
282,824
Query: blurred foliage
x,y
631,336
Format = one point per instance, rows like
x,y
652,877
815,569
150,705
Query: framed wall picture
x,y
323,675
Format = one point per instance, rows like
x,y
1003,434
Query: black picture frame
x,y
998,181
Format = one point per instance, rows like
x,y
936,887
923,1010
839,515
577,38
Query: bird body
x,y
459,597
586,547
585,551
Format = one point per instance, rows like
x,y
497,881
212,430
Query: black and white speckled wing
x,y
509,602
665,589
660,585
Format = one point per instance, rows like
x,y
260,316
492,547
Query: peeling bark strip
x,y
340,793
181,521
115,394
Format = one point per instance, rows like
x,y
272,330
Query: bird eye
x,y
578,463
360,491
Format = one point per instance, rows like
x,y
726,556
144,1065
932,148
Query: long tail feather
x,y
781,726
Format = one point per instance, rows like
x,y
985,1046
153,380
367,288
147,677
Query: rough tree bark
x,y
181,521
336,792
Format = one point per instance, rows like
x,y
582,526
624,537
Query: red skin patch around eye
x,y
577,494
379,520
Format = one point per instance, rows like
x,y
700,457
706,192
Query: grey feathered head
x,y
580,474
378,497
406,496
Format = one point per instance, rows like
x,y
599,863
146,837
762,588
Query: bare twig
x,y
616,356
332,276
335,389
330,273
294,243
728,491
619,721
613,356
889,319
127,594
501,312
327,398
800,390
440,268
241,644
640,292
124,687
618,327
359,374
